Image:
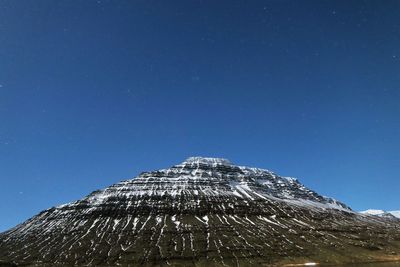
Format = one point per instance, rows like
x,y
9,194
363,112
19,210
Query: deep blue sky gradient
x,y
93,92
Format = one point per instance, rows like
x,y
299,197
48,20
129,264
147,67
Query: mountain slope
x,y
202,212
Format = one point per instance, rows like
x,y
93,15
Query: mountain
x,y
202,212
382,213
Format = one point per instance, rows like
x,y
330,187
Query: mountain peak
x,y
207,161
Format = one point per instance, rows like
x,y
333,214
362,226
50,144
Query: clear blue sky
x,y
93,92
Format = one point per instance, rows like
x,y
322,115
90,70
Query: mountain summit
x,y
203,211
207,161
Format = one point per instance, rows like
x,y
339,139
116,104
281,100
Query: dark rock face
x,y
204,211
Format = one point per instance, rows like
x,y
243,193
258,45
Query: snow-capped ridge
x,y
214,162
206,161
395,213
372,212
382,213
215,177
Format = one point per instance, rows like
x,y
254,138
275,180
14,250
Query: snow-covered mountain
x,y
202,211
215,177
382,213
